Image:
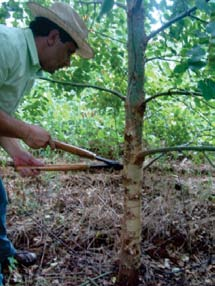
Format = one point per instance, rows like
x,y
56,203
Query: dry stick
x,y
43,255
52,235
92,282
95,278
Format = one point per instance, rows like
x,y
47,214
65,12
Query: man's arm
x,y
33,135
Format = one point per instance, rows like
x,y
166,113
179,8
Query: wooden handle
x,y
74,150
72,167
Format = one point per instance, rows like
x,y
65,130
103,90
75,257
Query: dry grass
x,y
72,221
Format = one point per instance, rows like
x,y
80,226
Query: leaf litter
x,y
72,221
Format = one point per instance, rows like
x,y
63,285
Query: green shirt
x,y
19,64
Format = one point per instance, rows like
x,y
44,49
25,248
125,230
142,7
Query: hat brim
x,y
84,50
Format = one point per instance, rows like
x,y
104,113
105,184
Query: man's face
x,y
57,55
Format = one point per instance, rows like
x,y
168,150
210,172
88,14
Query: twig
x,y
92,282
176,19
190,266
52,235
199,19
43,254
95,278
161,59
83,85
109,37
152,161
209,160
198,112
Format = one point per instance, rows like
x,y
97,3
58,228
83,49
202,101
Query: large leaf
x,y
203,5
196,53
207,88
106,7
181,68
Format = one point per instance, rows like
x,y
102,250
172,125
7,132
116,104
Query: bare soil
x,y
72,221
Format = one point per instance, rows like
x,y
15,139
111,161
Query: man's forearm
x,y
34,136
10,145
12,127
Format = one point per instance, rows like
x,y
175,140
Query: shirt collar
x,y
32,48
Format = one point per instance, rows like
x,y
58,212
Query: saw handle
x,y
72,167
74,150
87,154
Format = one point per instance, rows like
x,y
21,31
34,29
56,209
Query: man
x,y
55,34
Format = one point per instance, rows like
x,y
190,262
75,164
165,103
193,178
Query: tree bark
x,y
130,252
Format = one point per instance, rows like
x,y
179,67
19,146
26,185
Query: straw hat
x,y
66,18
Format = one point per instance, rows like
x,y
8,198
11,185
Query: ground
x,y
72,221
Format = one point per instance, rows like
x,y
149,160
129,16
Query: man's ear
x,y
52,37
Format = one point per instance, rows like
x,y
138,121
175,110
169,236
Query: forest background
x,y
176,71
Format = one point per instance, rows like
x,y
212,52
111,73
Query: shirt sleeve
x,y
3,67
7,59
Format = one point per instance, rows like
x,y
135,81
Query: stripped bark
x,y
130,253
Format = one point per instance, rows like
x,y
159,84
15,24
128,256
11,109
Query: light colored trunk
x,y
130,253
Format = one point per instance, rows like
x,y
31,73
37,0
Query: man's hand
x,y
24,158
36,137
20,156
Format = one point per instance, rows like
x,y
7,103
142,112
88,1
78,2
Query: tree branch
x,y
100,2
83,85
171,93
209,160
109,37
176,19
161,59
140,157
198,19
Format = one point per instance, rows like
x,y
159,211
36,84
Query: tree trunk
x,y
130,252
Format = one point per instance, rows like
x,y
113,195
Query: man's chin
x,y
49,70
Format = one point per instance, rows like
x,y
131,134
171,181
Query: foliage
x,y
175,58
82,126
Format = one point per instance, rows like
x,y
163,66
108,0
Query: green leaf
x,y
210,28
196,53
207,88
196,65
203,5
181,68
106,7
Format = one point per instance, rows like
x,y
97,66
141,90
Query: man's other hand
x,y
26,159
